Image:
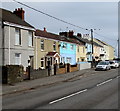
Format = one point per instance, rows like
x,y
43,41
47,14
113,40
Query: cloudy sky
x,y
90,15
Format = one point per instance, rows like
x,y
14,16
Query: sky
x,y
102,16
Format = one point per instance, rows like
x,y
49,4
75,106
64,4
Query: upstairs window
x,y
17,36
71,47
64,45
30,38
54,46
78,48
42,44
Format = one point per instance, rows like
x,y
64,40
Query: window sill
x,y
31,46
42,50
18,45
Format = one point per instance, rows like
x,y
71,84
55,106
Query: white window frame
x,y
42,43
71,46
18,39
68,59
42,60
18,59
54,46
65,45
30,38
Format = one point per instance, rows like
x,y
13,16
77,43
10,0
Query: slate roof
x,y
54,36
88,41
8,16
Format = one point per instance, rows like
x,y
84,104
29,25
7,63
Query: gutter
x,y
3,44
18,26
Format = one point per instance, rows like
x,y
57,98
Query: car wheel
x,y
106,69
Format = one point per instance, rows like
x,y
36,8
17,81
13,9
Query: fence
x,y
67,68
84,65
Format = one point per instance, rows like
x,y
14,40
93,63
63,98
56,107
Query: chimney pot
x,y
19,12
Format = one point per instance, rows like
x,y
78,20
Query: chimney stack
x,y
79,34
19,12
45,29
71,33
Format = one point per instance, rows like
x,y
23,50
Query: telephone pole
x,y
91,30
118,49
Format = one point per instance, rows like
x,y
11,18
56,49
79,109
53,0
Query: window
x,y
78,48
83,50
62,59
42,44
71,47
68,59
42,62
54,46
17,58
17,37
65,45
30,38
77,59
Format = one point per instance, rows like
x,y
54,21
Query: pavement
x,y
36,83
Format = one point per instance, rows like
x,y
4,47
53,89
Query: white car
x,y
103,65
114,64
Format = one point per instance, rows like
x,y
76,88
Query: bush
x,y
12,74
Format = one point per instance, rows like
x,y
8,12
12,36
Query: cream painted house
x,y
107,52
80,53
46,49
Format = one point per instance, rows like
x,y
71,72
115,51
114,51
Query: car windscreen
x,y
103,63
111,62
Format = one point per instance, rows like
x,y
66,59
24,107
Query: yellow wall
x,y
48,47
96,52
81,54
111,52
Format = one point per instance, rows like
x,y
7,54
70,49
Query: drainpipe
x,y
3,45
36,54
9,47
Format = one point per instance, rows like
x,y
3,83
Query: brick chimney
x,y
71,33
19,12
45,29
79,34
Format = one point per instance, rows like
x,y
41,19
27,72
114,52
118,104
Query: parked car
x,y
114,64
103,65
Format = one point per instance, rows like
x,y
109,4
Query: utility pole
x,y
118,49
91,30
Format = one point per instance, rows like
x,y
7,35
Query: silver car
x,y
103,65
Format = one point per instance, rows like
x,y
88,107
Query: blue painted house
x,y
67,48
68,52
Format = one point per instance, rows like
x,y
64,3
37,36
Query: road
x,y
96,91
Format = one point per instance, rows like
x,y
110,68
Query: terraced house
x,y
46,49
107,52
16,47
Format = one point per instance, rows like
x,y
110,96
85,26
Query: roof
x,y
101,41
97,44
49,35
8,16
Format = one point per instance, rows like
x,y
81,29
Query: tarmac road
x,y
96,91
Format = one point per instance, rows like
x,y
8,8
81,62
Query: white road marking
x,y
104,82
68,96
